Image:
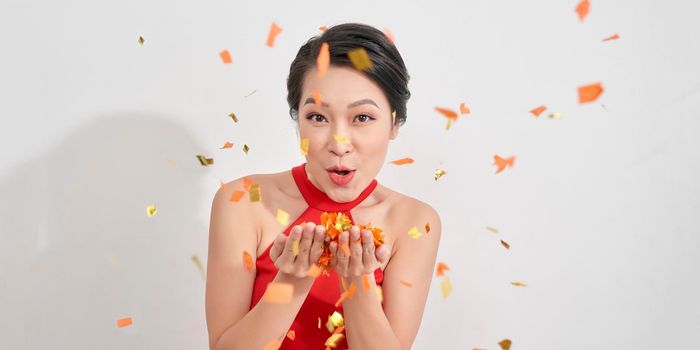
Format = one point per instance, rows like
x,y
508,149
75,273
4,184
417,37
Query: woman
x,y
348,136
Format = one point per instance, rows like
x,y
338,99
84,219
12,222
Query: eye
x,y
314,118
363,118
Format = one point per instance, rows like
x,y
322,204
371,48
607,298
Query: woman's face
x,y
351,130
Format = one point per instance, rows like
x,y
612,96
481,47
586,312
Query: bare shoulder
x,y
409,210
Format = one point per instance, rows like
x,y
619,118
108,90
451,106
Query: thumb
x,y
278,247
382,254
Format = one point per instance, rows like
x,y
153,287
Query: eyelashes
x,y
313,115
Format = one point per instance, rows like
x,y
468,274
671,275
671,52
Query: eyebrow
x,y
351,105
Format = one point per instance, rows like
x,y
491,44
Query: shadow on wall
x,y
78,250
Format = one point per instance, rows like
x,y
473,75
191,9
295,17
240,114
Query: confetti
x,y
295,248
172,163
612,37
441,268
335,223
292,335
464,109
319,323
505,244
151,211
589,93
272,34
393,117
333,340
448,113
323,60
390,36
335,320
538,110
414,233
582,9
252,92
345,248
283,218
233,117
365,282
351,290
402,161
501,163
340,139
246,149
278,293
439,173
124,322
225,57
446,287
141,40
317,97
427,228
227,145
505,344
247,184
518,284
248,261
236,196
199,265
406,283
304,146
314,271
205,161
255,194
273,344
380,294
323,28
492,229
360,59
555,115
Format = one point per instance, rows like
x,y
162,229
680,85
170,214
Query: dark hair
x,y
388,69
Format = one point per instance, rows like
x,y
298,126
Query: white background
x,y
600,209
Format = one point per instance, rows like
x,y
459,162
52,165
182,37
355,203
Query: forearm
x,y
366,325
266,321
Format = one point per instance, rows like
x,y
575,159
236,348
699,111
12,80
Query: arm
x,y
230,285
396,326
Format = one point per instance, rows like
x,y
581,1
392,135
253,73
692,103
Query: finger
x,y
277,247
302,261
356,264
317,245
382,254
368,257
333,248
287,258
342,256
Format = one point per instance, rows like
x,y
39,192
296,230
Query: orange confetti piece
x,y
236,196
538,110
390,36
345,248
272,34
351,290
323,28
225,57
292,335
582,9
124,322
317,97
278,293
247,184
502,163
314,271
323,60
612,37
450,114
248,261
227,145
505,344
273,344
403,161
589,93
441,268
505,244
406,283
427,228
365,283
463,109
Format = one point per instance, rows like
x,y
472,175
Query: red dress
x,y
325,291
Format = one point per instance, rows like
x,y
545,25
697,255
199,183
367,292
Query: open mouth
x,y
342,172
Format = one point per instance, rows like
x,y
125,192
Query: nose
x,y
340,143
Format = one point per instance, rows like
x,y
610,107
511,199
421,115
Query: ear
x,y
394,131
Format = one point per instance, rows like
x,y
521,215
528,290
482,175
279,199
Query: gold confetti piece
x,y
278,293
227,145
402,161
248,261
365,282
246,149
292,335
295,248
273,344
505,244
390,36
334,339
555,115
589,93
323,60
272,34
199,265
205,161
446,287
236,196
283,218
492,229
255,194
340,139
505,344
360,59
582,9
304,146
612,37
314,270
518,284
141,40
252,92
441,268
501,163
439,173
393,117
538,110
464,109
334,320
414,233
225,57
427,228
380,294
151,211
172,163
406,283
124,322
233,117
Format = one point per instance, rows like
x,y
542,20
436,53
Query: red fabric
x,y
325,291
